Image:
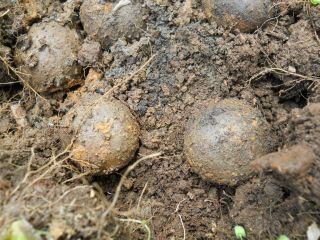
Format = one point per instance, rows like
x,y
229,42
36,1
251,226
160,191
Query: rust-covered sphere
x,y
246,15
223,138
107,134
48,53
106,22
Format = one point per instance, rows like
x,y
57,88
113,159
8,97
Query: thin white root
x,y
129,169
118,190
5,13
281,71
140,198
121,4
178,205
19,76
184,229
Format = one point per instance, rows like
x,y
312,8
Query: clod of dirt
x,y
222,139
297,166
294,161
302,43
107,22
108,134
89,53
48,53
19,114
246,15
36,9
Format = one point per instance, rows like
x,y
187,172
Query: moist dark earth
x,y
165,61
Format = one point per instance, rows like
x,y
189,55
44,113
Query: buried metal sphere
x,y
107,134
222,139
246,15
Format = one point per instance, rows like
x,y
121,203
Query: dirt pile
x,y
160,61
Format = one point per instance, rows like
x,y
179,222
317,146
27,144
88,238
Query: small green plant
x,y
20,230
283,237
143,223
315,2
240,232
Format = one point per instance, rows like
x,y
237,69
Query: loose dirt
x,y
163,72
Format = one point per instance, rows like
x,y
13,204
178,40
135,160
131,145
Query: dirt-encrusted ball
x,y
106,22
48,53
222,139
245,15
108,134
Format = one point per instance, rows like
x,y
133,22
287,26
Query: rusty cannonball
x,y
106,22
107,134
223,138
245,15
48,56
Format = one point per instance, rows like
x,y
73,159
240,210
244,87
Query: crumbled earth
x,y
177,61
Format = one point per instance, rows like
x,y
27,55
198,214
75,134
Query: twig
x,y
29,172
50,166
118,189
18,74
67,192
128,79
76,177
129,169
281,71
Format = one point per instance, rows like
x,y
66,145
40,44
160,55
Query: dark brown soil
x,y
177,61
